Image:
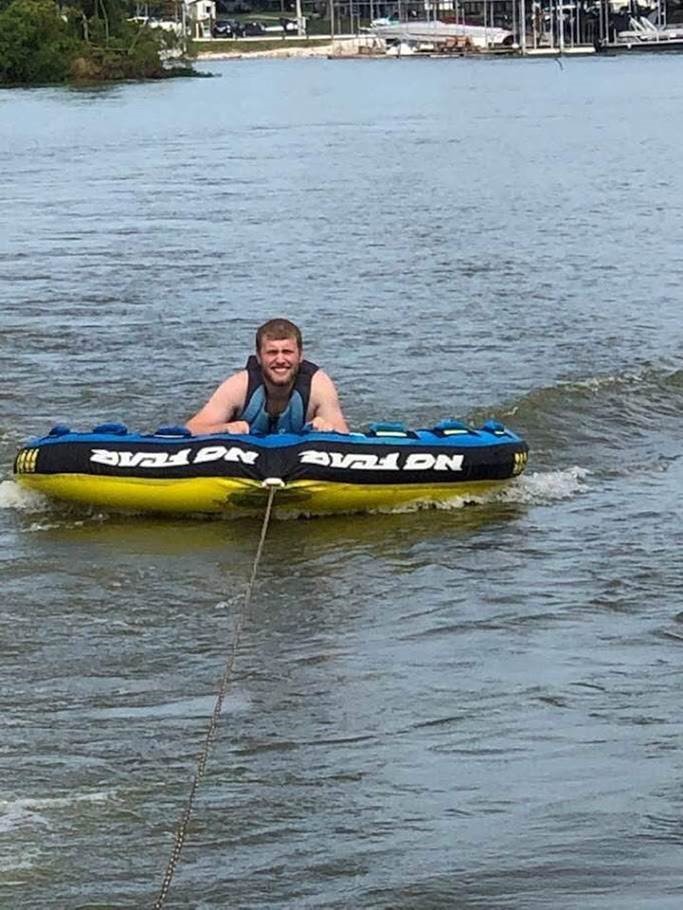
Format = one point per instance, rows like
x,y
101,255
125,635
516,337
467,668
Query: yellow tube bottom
x,y
236,496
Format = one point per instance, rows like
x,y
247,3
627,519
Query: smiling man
x,y
277,392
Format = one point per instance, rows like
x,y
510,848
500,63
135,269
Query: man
x,y
277,392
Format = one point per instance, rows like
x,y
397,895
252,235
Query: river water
x,y
467,708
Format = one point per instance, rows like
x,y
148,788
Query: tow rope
x,y
271,484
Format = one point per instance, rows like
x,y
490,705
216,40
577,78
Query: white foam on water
x,y
31,812
528,488
46,526
13,496
199,706
38,526
549,486
596,383
427,504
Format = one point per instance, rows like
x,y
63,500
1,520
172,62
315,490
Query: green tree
x,y
79,40
36,45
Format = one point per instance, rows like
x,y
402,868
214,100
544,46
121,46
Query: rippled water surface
x,y
478,707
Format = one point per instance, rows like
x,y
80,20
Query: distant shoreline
x,y
279,49
357,47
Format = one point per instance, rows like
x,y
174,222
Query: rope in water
x,y
271,484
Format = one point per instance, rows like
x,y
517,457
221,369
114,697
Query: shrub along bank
x,y
83,40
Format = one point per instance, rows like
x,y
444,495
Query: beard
x,y
280,379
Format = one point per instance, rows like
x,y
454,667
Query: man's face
x,y
279,360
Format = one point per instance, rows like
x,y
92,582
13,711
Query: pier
x,y
545,28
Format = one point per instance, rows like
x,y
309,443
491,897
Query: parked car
x,y
227,28
253,29
289,25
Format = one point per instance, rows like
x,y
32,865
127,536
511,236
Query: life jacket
x,y
293,418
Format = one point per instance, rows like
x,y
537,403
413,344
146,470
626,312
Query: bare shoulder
x,y
324,406
229,397
225,403
322,385
234,385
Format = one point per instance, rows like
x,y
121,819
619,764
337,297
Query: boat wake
x,y
625,420
12,496
31,812
529,489
48,514
549,486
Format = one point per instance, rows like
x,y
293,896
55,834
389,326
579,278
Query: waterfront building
x,y
201,18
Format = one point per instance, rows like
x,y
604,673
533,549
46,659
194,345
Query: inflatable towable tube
x,y
173,471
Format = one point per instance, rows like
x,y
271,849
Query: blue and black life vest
x,y
293,418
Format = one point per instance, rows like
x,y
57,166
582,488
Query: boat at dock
x,y
426,35
644,35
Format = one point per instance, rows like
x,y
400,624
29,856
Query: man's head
x,y
278,330
279,351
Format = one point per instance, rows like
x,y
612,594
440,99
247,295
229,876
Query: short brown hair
x,y
277,330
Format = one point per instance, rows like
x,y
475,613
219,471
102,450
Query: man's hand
x,y
237,426
321,425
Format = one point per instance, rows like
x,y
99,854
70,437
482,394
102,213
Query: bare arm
x,y
324,410
217,414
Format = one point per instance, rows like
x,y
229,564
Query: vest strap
x,y
293,418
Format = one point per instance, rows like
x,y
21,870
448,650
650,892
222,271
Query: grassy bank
x,y
235,46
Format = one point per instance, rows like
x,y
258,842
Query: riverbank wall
x,y
359,46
